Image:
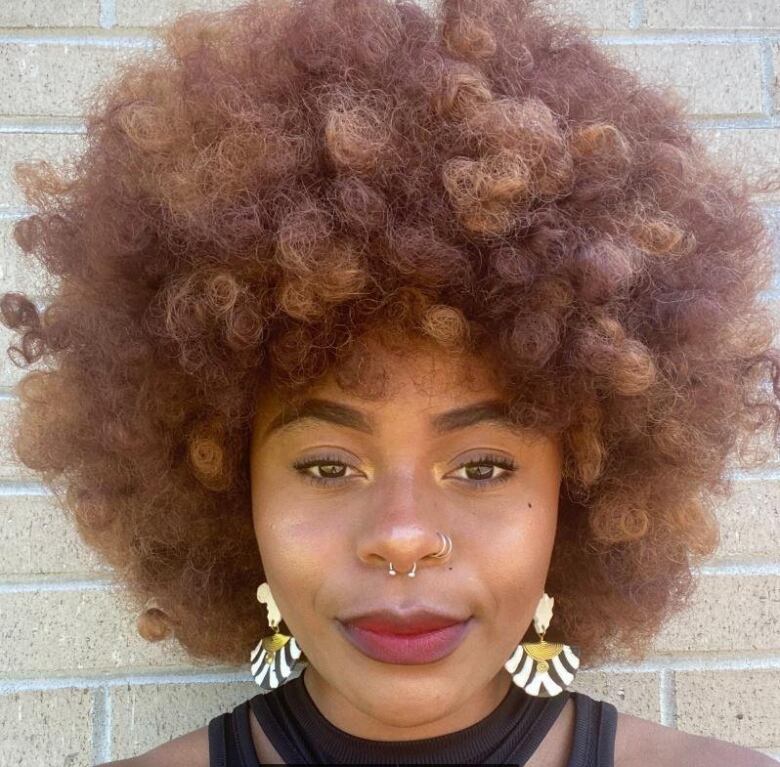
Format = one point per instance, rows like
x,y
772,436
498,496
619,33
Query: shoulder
x,y
190,750
641,742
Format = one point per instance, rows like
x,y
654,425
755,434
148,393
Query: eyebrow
x,y
494,412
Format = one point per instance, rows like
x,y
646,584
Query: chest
x,y
553,751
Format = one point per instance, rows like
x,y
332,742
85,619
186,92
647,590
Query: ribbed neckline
x,y
513,729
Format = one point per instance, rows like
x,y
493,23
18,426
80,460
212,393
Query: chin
x,y
405,703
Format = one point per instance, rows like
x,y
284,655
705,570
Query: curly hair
x,y
278,179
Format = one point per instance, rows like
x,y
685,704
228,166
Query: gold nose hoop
x,y
444,551
446,546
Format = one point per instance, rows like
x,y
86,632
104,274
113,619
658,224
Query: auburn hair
x,y
277,179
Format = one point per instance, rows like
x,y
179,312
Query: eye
x,y
479,472
332,468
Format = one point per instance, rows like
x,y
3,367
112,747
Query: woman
x,y
432,333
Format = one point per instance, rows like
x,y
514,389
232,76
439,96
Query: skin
x,y
400,485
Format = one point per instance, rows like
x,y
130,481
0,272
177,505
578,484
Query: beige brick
x,y
712,79
636,694
750,151
10,466
10,374
759,450
737,706
706,14
51,727
49,13
37,537
750,520
140,13
86,631
726,613
18,271
54,79
596,14
22,147
145,716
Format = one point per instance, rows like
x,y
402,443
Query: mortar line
x,y
12,488
71,125
666,695
107,13
771,568
736,122
198,676
95,41
148,36
101,723
28,124
697,663
637,15
83,584
741,475
644,36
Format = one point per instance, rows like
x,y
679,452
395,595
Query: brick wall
x,y
78,686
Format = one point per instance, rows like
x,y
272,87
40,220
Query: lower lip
x,y
407,648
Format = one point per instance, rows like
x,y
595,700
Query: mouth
x,y
406,648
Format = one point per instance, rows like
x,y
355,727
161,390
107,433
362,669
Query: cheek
x,y
287,540
293,572
513,563
294,546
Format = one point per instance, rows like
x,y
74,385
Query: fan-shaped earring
x,y
545,668
274,658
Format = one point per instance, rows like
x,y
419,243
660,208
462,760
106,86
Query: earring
x,y
546,668
274,658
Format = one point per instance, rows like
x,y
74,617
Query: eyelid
x,y
507,465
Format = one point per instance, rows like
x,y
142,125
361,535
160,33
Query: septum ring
x,y
443,552
411,573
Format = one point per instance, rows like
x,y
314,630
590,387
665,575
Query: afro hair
x,y
281,177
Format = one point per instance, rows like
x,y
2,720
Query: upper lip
x,y
411,621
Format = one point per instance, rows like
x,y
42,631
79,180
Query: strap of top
x,y
230,739
595,726
593,745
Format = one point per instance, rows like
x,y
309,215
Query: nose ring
x,y
411,573
443,552
446,546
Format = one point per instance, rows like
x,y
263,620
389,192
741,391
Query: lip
x,y
406,648
417,619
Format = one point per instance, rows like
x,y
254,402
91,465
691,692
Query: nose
x,y
401,529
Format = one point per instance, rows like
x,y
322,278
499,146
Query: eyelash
x,y
494,460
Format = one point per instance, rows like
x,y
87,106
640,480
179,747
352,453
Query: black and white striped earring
x,y
274,658
545,668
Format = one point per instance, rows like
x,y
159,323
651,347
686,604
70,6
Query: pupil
x,y
482,470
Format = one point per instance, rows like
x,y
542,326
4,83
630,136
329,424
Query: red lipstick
x,y
412,637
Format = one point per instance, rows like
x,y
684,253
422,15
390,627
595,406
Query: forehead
x,y
379,378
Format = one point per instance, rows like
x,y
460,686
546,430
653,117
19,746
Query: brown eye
x,y
327,470
481,471
331,470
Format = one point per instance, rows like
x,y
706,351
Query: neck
x,y
423,722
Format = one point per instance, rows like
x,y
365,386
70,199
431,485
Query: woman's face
x,y
382,477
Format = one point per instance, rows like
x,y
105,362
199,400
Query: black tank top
x,y
508,735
